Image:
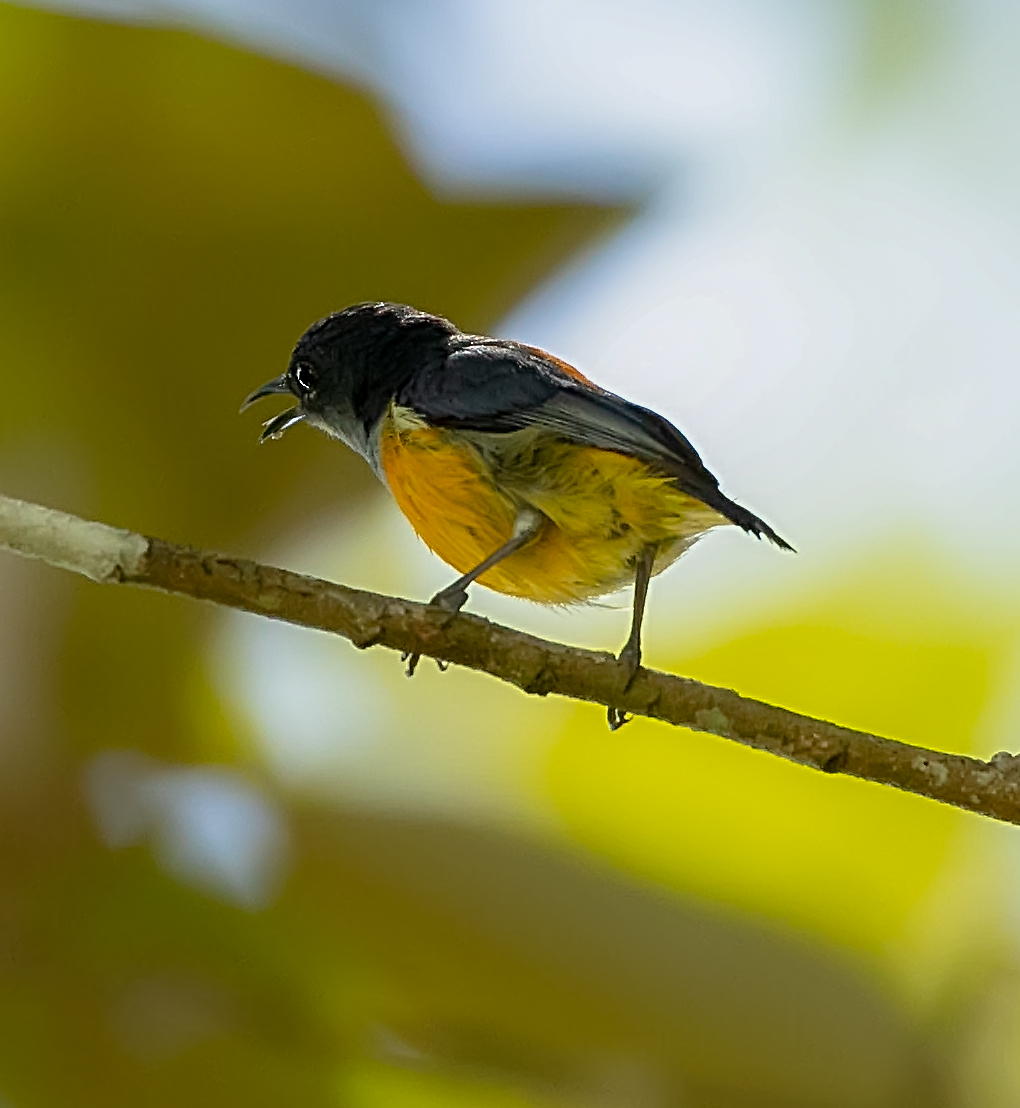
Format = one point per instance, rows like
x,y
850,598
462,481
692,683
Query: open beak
x,y
274,428
270,388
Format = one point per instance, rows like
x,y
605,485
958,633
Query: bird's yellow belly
x,y
600,509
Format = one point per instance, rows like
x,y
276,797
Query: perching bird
x,y
510,464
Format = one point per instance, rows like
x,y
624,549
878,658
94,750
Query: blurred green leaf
x,y
173,214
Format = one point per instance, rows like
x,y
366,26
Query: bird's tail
x,y
750,522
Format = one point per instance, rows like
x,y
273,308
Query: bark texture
x,y
534,665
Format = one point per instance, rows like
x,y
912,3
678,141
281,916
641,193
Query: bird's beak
x,y
274,428
270,388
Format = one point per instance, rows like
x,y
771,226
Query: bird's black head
x,y
346,368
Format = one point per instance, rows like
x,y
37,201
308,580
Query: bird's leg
x,y
630,655
526,526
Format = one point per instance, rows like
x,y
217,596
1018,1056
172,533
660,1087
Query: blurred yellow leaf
x,y
883,650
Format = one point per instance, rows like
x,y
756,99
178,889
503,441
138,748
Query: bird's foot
x,y
630,658
412,661
616,718
450,600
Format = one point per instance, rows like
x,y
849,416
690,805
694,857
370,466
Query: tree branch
x,y
109,555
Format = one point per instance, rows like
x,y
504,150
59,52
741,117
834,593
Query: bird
x,y
510,464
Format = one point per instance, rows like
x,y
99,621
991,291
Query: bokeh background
x,y
242,863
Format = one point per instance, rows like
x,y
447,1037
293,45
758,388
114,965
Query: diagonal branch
x,y
111,556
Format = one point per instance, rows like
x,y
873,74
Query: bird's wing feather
x,y
493,385
480,387
496,386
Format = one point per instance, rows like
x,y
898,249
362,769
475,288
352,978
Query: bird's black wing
x,y
495,386
498,386
484,385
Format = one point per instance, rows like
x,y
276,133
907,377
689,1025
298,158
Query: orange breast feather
x,y
444,491
601,508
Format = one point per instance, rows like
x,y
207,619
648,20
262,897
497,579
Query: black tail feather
x,y
749,522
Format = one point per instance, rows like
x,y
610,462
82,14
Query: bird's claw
x,y
630,659
413,660
449,601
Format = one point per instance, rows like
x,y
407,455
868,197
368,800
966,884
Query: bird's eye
x,y
307,376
